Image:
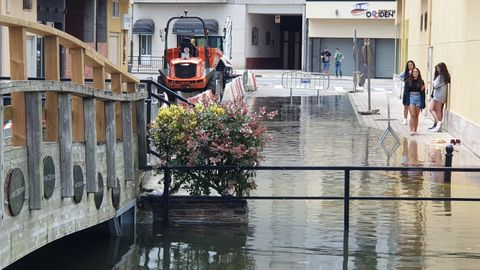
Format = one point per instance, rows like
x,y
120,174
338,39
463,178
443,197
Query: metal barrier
x,y
168,170
306,81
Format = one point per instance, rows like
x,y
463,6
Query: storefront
x,y
331,24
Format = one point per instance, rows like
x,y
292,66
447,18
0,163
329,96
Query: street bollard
x,y
448,163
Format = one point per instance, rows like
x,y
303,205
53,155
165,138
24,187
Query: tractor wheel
x,y
217,91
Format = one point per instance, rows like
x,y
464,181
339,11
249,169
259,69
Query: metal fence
x,y
145,64
306,81
346,198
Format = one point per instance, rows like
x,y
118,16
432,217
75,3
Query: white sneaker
x,y
405,122
438,128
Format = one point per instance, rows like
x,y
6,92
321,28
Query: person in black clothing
x,y
416,89
405,77
325,55
186,49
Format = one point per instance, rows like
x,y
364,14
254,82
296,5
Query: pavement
x,y
382,96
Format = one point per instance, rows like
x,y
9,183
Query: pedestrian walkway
x,y
269,82
379,101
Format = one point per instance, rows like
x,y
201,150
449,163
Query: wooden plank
x,y
99,83
34,150
141,134
110,144
1,157
93,58
66,87
66,159
127,141
78,77
90,144
131,88
18,71
52,72
117,88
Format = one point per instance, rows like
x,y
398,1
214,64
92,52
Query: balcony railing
x,y
145,64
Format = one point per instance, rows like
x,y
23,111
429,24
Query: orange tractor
x,y
197,63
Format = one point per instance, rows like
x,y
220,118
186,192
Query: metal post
x,y
166,191
346,219
367,48
355,60
346,200
448,163
149,103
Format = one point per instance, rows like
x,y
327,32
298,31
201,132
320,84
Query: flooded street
x,y
311,131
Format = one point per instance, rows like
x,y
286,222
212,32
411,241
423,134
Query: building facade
x,y
266,34
119,28
436,31
22,9
331,24
102,24
279,34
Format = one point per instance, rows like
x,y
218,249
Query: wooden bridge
x,y
73,156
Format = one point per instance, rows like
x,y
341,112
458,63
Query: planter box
x,y
189,210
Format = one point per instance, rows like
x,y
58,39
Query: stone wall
x,y
32,229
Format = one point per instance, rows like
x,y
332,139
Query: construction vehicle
x,y
197,62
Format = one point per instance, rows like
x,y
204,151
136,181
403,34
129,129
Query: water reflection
x,y
194,247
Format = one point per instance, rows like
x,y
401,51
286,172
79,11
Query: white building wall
x,y
264,23
335,19
344,28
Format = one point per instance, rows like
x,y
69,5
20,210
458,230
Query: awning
x,y
193,27
144,27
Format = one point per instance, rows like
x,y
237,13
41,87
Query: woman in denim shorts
x,y
416,88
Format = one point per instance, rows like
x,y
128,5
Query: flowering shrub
x,y
211,134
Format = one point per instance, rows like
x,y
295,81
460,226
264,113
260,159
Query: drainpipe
x,y
403,57
130,62
1,59
429,23
95,38
305,41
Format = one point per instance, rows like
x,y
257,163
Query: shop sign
x,y
362,8
381,13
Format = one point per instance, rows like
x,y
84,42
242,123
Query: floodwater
x,y
309,234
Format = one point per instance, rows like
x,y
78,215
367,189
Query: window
x,y
115,9
267,38
425,21
145,42
421,23
254,36
27,4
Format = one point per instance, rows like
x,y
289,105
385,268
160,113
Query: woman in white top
x,y
441,79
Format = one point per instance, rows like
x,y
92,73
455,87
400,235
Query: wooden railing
x,y
73,112
81,57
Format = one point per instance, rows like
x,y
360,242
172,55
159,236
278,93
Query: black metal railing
x,y
168,171
346,198
155,97
145,64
